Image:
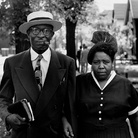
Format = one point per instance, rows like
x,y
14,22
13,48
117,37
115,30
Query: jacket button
x,y
55,107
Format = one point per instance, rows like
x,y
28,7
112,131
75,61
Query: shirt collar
x,y
112,75
46,54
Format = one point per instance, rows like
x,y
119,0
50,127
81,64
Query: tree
x,y
71,10
13,13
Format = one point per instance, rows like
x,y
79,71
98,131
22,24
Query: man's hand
x,y
67,128
15,121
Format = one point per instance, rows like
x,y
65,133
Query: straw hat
x,y
39,17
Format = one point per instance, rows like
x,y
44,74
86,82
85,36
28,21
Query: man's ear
x,y
28,32
52,34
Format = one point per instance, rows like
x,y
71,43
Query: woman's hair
x,y
103,42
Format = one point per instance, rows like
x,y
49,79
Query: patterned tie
x,y
38,72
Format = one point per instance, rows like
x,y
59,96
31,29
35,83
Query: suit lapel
x,y
26,76
53,79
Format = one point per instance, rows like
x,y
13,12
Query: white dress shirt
x,y
44,62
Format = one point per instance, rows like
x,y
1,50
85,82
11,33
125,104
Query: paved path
x,y
2,60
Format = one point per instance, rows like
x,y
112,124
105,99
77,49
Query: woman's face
x,y
101,66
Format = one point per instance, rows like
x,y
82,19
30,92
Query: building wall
x,y
135,22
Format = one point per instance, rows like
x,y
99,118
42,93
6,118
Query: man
x,y
78,57
83,59
53,96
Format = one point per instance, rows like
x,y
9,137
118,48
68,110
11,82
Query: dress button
x,y
101,98
101,92
101,104
100,118
100,112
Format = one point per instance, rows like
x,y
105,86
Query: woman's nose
x,y
101,65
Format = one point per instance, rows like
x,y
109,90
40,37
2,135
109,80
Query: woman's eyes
x,y
98,62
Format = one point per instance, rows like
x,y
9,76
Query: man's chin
x,y
41,50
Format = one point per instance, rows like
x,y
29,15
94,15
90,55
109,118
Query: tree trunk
x,y
70,38
21,42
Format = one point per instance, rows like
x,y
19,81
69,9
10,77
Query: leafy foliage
x,y
13,13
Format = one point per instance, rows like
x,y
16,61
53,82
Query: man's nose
x,y
41,34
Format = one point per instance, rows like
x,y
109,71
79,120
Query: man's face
x,y
40,36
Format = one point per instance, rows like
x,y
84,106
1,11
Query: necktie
x,y
38,72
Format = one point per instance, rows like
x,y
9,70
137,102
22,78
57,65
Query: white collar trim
x,y
112,75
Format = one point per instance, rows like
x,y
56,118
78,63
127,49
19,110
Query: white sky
x,y
108,4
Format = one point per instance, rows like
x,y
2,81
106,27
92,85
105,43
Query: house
x,y
119,13
131,17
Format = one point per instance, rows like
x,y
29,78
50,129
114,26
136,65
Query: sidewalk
x,y
2,60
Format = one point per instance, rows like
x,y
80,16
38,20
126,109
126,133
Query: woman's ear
x,y
113,65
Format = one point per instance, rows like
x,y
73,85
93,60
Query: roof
x,y
119,10
134,8
107,15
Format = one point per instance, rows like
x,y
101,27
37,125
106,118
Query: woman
x,y
104,99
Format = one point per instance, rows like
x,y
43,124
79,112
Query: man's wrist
x,y
8,126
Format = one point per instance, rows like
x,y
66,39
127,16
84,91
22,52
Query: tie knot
x,y
39,57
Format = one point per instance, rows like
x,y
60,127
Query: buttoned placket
x,y
101,106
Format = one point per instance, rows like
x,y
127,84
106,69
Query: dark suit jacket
x,y
56,98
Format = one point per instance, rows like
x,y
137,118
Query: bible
x,y
22,108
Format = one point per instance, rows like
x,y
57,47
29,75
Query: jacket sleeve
x,y
6,91
69,108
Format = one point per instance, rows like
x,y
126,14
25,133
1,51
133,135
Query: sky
x,y
108,4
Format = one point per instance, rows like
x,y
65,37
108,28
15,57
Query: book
x,y
22,108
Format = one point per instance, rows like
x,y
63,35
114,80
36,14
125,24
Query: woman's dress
x,y
103,113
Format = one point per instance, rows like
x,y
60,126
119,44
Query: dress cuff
x,y
133,111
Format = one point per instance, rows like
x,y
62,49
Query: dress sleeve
x,y
133,100
133,113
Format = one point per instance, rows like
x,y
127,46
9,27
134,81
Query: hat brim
x,y
25,26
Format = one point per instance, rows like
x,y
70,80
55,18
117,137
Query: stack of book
x,y
22,108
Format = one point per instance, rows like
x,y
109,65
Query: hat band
x,y
39,19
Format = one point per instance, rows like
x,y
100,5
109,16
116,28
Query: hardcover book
x,y
22,108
